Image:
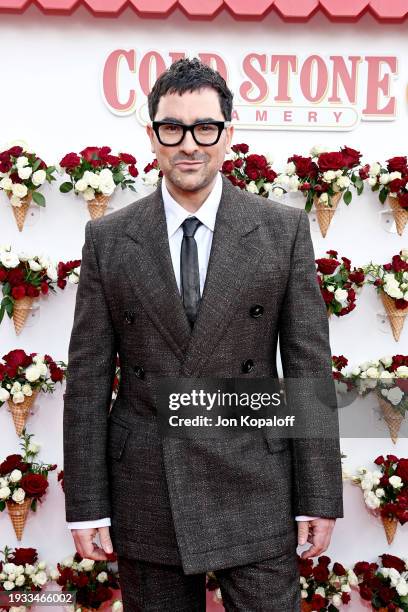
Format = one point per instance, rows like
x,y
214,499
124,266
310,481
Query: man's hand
x,y
318,533
87,548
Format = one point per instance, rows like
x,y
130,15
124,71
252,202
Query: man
x,y
197,279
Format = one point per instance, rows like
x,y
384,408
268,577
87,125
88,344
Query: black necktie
x,y
189,272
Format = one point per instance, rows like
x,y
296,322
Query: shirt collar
x,y
176,214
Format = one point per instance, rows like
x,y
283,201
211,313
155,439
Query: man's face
x,y
189,166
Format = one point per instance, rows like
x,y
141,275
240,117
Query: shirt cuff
x,y
303,517
103,522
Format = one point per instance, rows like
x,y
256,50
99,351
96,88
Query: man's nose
x,y
188,144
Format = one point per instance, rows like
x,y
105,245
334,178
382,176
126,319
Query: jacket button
x,y
248,366
139,371
256,311
129,316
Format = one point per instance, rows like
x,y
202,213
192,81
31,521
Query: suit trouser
x,y
270,585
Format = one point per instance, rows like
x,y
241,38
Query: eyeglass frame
x,y
221,125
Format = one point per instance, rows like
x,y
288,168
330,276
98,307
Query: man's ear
x,y
230,134
150,133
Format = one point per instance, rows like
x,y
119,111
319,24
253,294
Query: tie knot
x,y
190,226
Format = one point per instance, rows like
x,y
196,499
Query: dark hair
x,y
190,75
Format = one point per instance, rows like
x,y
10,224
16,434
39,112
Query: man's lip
x,y
189,163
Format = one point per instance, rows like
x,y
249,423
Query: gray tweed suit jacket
x,y
203,504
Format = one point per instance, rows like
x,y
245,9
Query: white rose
x,y
294,183
329,176
380,492
34,265
395,175
106,174
317,149
320,591
384,179
4,394
102,577
355,371
267,187
6,183
94,180
18,495
283,179
24,173
341,295
32,373
20,580
39,579
15,476
372,373
117,606
387,360
29,569
18,397
52,272
5,492
372,181
402,587
336,600
87,564
88,194
54,574
343,182
330,288
278,192
393,291
402,371
371,500
251,187
33,447
8,585
324,198
345,588
290,168
16,387
81,185
395,481
395,395
68,561
39,177
374,169
151,177
269,158
352,578
27,390
107,187
386,374
19,190
21,161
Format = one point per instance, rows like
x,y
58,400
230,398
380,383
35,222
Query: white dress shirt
x,y
175,215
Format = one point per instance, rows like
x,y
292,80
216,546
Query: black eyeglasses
x,y
205,133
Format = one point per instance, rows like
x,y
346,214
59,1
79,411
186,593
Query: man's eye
x,y
206,128
171,129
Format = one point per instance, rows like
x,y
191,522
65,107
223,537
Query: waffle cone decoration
x,y
390,527
392,417
395,315
325,213
97,206
20,412
400,214
18,514
21,311
20,212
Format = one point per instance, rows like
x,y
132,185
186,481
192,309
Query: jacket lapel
x,y
233,259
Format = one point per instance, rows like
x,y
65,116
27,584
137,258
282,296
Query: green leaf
x,y
50,169
118,177
2,505
38,198
2,311
132,188
383,195
309,201
347,197
36,165
66,187
6,289
9,308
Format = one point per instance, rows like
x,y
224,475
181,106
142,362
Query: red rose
x,y
17,358
270,175
331,161
305,166
15,151
403,199
387,594
61,283
364,172
327,265
395,185
113,160
240,148
332,252
18,292
13,462
44,288
252,173
345,598
398,264
402,383
397,164
238,163
257,161
380,460
327,296
357,277
401,304
127,158
32,291
90,153
16,276
351,157
70,161
228,166
318,602
338,569
34,485
133,171
392,561
24,555
321,573
3,275
365,592
402,469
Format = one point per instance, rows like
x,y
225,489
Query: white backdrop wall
x,y
51,98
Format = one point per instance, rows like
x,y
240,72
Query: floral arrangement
x,y
385,491
385,586
21,571
25,276
250,171
22,175
390,182
322,178
95,173
22,376
391,281
23,482
93,581
60,478
322,588
338,283
152,174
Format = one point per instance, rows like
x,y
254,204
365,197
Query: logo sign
x,y
271,92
